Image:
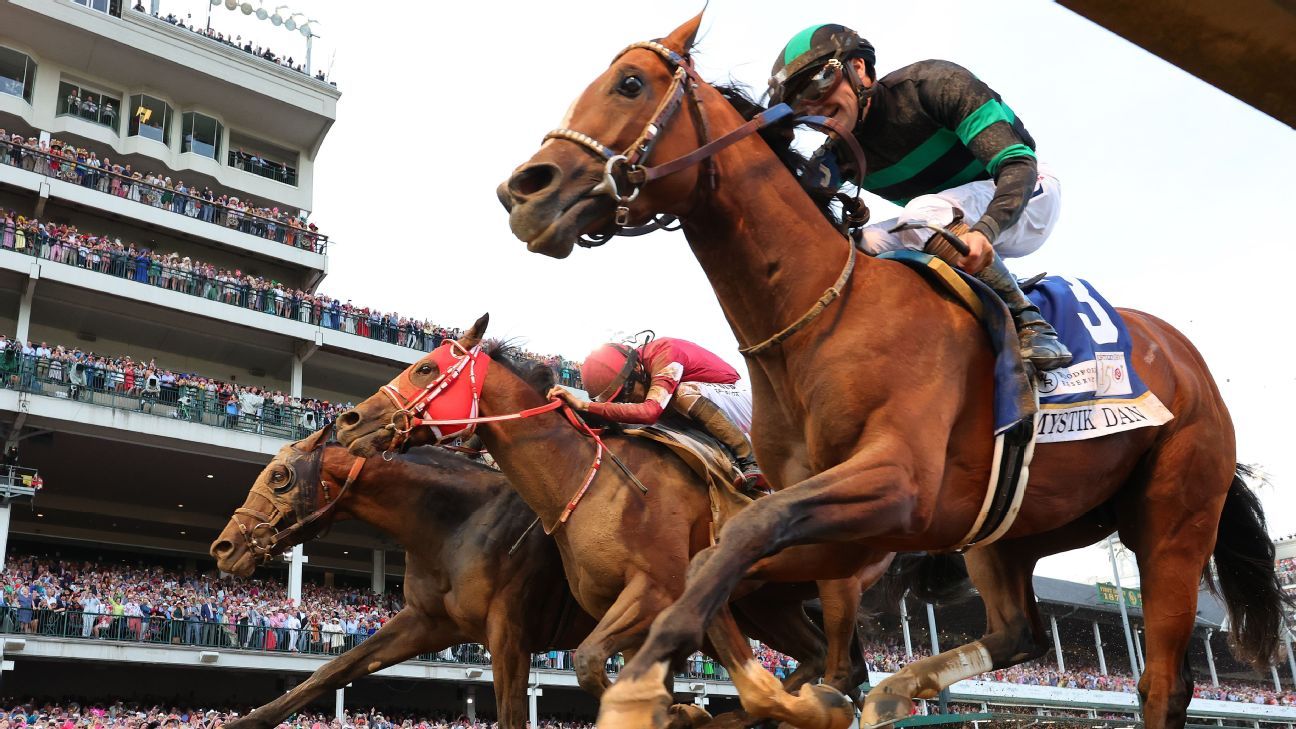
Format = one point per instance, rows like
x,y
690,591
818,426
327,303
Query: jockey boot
x,y
1039,340
714,421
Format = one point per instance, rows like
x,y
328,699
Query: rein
x,y
632,165
412,403
267,549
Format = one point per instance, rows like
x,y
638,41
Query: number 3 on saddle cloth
x,y
1098,395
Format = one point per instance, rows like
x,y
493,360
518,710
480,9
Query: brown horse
x,y
625,551
875,417
457,520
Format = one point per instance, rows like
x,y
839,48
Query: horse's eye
x,y
425,369
630,86
277,476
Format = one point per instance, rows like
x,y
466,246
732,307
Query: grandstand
x,y
116,490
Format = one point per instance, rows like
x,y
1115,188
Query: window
x,y
150,118
17,71
112,7
262,158
75,100
202,135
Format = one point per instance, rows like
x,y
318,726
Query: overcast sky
x,y
1177,197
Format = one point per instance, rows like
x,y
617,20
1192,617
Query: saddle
x,y
709,460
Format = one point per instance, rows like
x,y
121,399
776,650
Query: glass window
x,y
150,118
104,6
202,135
75,100
17,71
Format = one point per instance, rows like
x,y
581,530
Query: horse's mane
x,y
507,354
779,138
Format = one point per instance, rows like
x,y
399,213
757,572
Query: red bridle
x,y
447,398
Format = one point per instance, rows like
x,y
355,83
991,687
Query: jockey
x,y
940,142
637,385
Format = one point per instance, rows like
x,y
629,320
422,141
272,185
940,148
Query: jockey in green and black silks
x,y
940,143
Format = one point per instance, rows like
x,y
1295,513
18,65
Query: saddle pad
x,y
1099,394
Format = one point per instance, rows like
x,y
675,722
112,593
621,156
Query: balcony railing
x,y
311,640
77,382
191,206
268,169
254,295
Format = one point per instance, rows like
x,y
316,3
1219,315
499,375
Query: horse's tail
x,y
934,578
1246,577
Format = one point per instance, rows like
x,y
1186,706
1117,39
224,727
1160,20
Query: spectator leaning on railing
x,y
81,167
68,245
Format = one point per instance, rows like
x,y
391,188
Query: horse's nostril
x,y
222,548
349,419
532,180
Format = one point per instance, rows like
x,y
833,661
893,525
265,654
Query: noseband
x,y
630,164
265,548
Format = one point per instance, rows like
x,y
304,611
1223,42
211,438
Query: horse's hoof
x,y
687,716
825,707
636,703
884,709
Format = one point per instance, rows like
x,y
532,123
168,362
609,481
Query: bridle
x,y
631,165
264,548
445,395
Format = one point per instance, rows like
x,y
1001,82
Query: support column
x,y
1057,644
4,533
1102,660
904,626
1277,683
1138,643
931,628
379,579
533,707
471,708
339,706
295,384
1287,640
23,331
296,558
1210,659
1120,598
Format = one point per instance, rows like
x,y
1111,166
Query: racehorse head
x,y
276,514
445,383
587,176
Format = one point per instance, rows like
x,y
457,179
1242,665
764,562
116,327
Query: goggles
x,y
819,86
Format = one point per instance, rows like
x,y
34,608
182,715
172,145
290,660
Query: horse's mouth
x,y
372,443
241,566
558,237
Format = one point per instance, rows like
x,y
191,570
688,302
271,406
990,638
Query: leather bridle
x,y
264,548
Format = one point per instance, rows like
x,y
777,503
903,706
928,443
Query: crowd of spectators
x,y
1287,572
66,714
66,244
889,657
78,166
236,41
77,374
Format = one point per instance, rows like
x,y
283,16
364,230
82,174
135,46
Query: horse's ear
x,y
681,39
473,336
312,442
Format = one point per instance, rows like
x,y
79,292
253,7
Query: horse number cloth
x,y
1100,393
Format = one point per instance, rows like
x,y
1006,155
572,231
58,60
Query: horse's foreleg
x,y
846,668
762,695
510,664
623,626
775,615
403,637
844,504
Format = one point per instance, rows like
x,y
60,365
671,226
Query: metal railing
x,y
59,378
277,171
255,295
192,206
311,640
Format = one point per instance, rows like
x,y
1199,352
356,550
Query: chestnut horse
x,y
457,520
625,551
875,417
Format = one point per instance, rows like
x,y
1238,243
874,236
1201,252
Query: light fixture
x,y
309,27
40,516
345,552
179,506
215,2
231,4
262,13
211,475
182,531
246,7
291,23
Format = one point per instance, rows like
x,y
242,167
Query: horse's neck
x,y
544,458
419,507
766,248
